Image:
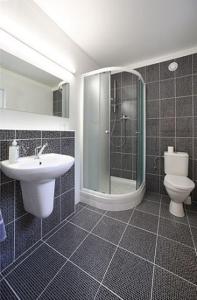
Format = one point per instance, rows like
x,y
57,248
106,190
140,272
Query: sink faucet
x,y
38,153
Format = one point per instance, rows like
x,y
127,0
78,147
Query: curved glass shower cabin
x,y
113,139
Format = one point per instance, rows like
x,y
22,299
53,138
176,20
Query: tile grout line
x,y
191,234
114,253
126,250
11,288
151,296
41,240
68,260
70,256
61,224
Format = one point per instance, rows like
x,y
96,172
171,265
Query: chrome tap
x,y
38,153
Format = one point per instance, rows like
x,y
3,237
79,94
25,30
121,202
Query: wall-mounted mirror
x,y
24,87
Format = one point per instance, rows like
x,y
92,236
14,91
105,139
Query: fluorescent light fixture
x,y
17,47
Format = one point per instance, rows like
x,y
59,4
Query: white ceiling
x,y
121,32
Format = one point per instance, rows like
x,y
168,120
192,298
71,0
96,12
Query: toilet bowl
x,y
178,189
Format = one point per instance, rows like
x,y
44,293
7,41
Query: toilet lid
x,y
180,182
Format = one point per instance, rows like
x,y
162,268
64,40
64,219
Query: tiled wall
x,y
23,229
123,150
171,117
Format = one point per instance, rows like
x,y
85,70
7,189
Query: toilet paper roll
x,y
170,149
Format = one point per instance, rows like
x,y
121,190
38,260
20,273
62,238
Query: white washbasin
x,y
48,166
37,179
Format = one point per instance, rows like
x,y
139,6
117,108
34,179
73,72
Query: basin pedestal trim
x,y
38,197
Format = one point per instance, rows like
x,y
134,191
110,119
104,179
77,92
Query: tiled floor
x,y
139,254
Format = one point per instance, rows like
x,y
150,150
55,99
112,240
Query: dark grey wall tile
x,y
28,134
184,66
184,127
126,78
195,84
152,146
167,88
7,247
167,127
152,183
7,134
195,63
65,134
68,180
164,71
27,233
68,146
152,73
184,86
67,204
184,107
152,109
185,145
167,108
152,164
195,105
152,91
116,160
50,134
7,201
53,220
152,129
19,207
127,162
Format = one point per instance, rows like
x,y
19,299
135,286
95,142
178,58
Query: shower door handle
x,y
107,131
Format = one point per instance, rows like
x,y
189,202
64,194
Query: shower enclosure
x,y
113,172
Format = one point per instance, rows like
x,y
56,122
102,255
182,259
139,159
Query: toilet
x,y
176,182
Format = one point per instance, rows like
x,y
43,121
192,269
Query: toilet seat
x,y
179,182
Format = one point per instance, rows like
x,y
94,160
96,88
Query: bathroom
x,y
98,143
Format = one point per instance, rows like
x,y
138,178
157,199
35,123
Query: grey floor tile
x,y
105,294
93,256
66,239
153,196
120,215
149,207
194,234
5,292
110,229
177,258
140,242
32,276
86,219
144,221
170,287
166,214
129,276
192,216
165,199
98,210
71,284
175,231
22,257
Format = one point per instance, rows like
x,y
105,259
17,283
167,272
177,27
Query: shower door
x,y
96,145
140,134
